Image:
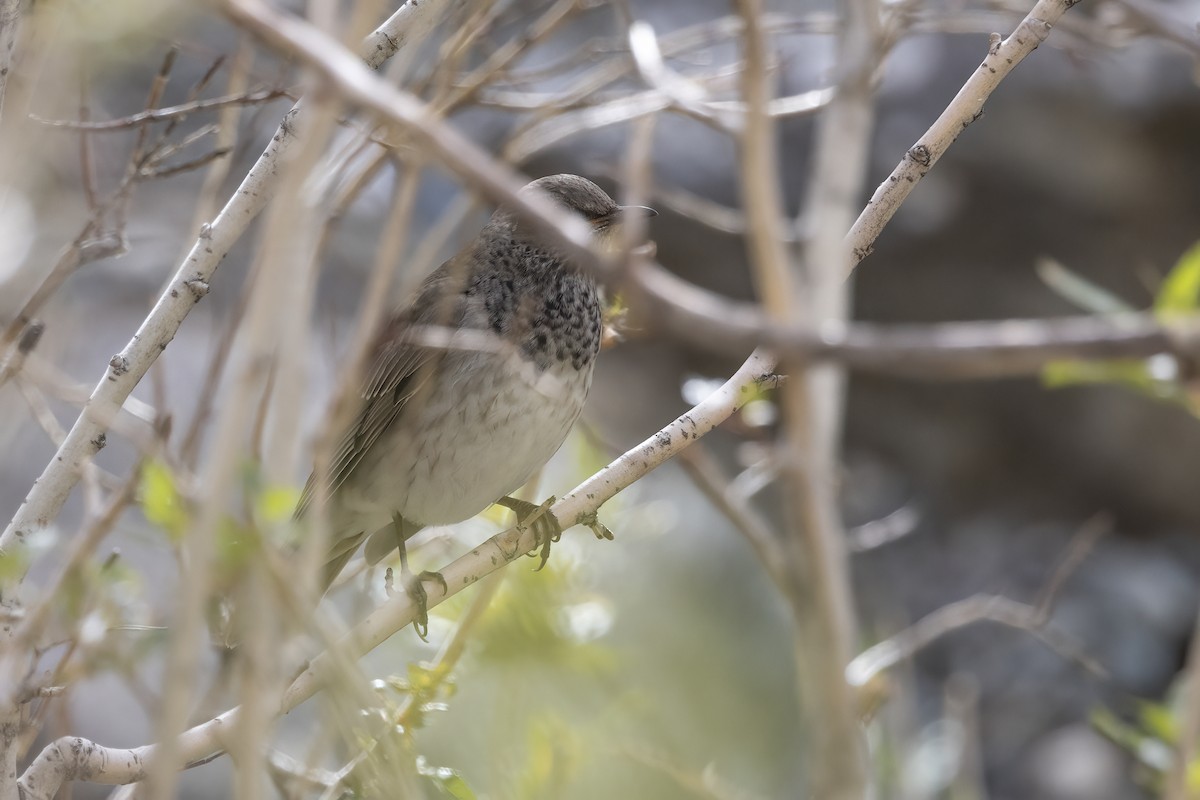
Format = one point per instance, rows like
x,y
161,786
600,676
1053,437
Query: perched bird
x,y
471,389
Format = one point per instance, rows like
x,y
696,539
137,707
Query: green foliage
x,y
1157,377
276,504
1130,373
424,689
270,510
554,753
161,501
1150,740
13,563
447,782
528,619
1075,288
236,545
1180,291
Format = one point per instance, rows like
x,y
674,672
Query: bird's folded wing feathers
x,y
398,371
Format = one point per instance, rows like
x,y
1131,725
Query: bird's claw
x,y
414,588
538,518
591,519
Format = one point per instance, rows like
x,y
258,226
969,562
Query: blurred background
x,y
660,665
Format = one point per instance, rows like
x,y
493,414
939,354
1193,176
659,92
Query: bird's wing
x,y
398,370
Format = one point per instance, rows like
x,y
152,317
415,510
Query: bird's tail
x,y
341,550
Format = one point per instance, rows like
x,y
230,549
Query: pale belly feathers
x,y
480,437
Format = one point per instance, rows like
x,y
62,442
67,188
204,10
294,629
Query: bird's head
x,y
582,197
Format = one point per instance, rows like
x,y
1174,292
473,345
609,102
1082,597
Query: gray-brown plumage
x,y
445,429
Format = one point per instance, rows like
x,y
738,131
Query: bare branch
x,y
1161,21
10,26
73,758
1035,619
961,614
882,531
966,107
705,472
159,114
190,283
819,592
940,351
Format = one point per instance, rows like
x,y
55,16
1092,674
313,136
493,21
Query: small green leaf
x,y
1129,372
14,563
421,679
1193,776
1115,729
276,504
1158,721
447,781
1180,291
554,754
236,545
161,501
1078,290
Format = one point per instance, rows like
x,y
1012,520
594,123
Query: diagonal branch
x,y
411,22
160,114
74,758
966,107
10,25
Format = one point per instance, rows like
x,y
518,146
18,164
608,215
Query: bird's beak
x,y
640,211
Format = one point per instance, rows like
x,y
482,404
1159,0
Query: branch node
x,y
30,337
197,286
920,154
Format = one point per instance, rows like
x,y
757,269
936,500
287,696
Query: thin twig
x,y
189,284
170,112
699,465
1033,618
10,26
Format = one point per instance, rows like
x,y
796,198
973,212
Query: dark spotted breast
x,y
538,300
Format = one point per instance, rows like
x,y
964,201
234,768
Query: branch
x,y
1160,20
705,318
422,128
411,22
881,657
939,351
966,107
1034,618
159,114
73,758
811,401
10,25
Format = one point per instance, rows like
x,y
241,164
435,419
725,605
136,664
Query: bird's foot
x,y
540,519
414,588
591,519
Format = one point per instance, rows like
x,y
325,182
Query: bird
x,y
470,389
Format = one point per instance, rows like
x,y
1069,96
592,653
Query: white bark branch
x,y
965,108
10,25
827,624
412,22
73,758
